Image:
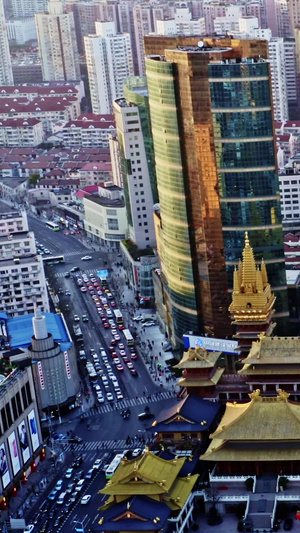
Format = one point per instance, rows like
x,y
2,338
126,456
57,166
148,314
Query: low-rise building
x,y
21,132
88,133
13,189
95,173
105,216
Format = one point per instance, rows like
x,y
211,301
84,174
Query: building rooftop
x,y
13,183
20,330
106,202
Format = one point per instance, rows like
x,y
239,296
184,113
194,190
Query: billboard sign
x,y
24,441
35,441
4,471
14,453
211,344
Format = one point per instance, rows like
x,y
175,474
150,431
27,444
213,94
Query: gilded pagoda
x,y
261,436
144,493
252,306
200,371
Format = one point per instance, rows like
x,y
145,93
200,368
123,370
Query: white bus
x,y
128,337
118,316
52,225
113,465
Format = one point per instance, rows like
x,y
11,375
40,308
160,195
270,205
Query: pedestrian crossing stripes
x,y
62,274
128,402
69,254
101,445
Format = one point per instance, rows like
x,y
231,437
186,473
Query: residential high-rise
x,y
57,43
109,63
27,8
278,79
211,116
6,75
143,25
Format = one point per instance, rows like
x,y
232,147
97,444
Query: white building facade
x,y
6,75
57,43
109,63
21,30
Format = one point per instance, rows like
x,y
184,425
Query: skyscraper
x,y
57,43
211,115
109,63
6,75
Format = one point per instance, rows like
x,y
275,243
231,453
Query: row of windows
x,y
238,70
257,213
241,154
15,408
248,184
254,124
240,94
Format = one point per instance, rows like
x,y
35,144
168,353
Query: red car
x,y
114,355
106,325
112,349
134,372
126,360
121,326
133,356
113,342
113,304
120,367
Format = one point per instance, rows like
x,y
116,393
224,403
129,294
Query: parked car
x,y
145,416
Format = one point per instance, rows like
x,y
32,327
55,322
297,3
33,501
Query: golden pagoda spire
x,y
249,269
259,281
264,273
236,281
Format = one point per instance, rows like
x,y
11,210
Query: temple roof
x,y
180,492
198,358
274,350
259,430
190,414
252,297
263,418
147,474
137,514
196,381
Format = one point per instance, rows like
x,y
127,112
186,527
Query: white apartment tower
x,y
27,8
22,278
6,75
181,24
57,43
143,25
278,79
109,63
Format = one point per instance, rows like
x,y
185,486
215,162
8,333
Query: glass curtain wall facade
x,y
211,117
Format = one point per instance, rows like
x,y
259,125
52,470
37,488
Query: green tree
x,y
33,179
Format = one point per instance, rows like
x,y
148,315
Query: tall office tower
x,y
137,161
278,79
109,63
290,66
6,75
216,173
27,8
57,43
143,25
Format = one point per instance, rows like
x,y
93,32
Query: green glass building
x,y
212,125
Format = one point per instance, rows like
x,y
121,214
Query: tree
x,y
33,179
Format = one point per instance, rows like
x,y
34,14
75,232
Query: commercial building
x,y
105,220
57,43
6,76
216,173
109,63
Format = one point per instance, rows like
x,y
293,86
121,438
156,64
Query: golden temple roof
x,y
269,425
252,297
198,358
180,492
274,350
197,382
263,418
147,475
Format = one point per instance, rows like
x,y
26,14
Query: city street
x,y
102,427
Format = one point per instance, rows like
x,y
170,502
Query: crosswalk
x,y
88,272
128,402
95,445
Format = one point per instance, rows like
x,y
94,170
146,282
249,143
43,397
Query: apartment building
x,y
6,76
21,132
88,133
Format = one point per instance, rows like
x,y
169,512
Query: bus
x,y
77,333
53,259
91,372
118,316
128,337
52,225
113,465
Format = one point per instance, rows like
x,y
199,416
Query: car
x,y
58,521
123,353
288,524
78,461
75,439
120,396
100,399
136,452
112,348
83,289
85,318
82,355
59,485
97,464
59,436
67,507
133,372
85,499
120,367
68,293
67,274
106,325
37,518
74,269
52,514
86,258
145,416
133,356
69,473
53,494
90,474
66,233
117,337
44,526
114,355
113,343
149,323
109,396
121,346
113,304
93,280
79,475
76,318
138,318
126,360
70,487
121,326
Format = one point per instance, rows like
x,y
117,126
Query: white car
x,y
136,452
76,318
149,323
97,464
85,499
138,318
69,473
109,396
86,258
28,528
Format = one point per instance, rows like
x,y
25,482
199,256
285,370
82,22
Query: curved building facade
x,y
212,126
